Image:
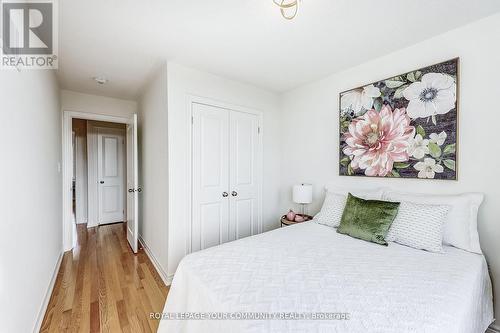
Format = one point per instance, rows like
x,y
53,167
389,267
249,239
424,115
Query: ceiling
x,y
245,40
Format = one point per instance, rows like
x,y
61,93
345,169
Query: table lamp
x,y
302,194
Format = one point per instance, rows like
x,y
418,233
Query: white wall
x,y
183,81
30,142
153,168
310,125
75,101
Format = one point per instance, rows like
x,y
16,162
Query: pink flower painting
x,y
402,127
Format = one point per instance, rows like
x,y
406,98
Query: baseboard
x,y
493,329
91,223
82,221
164,276
48,293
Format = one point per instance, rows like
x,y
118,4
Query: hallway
x,y
103,287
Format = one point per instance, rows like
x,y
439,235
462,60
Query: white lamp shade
x,y
302,194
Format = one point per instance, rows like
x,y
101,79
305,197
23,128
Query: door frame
x,y
193,99
68,227
93,159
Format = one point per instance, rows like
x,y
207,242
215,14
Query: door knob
x,y
101,182
130,190
234,193
225,194
139,189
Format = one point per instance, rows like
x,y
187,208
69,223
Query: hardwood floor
x,y
103,287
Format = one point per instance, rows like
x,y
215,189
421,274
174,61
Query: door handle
x,y
234,193
101,182
225,194
131,190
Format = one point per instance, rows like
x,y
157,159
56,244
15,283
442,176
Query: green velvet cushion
x,y
369,220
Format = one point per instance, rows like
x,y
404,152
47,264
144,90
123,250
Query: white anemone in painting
x,y
438,139
428,168
434,94
418,146
360,99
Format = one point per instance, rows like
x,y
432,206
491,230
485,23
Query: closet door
x,y
210,167
244,175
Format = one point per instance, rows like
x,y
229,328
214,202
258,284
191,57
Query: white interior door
x,y
110,172
210,205
244,175
133,188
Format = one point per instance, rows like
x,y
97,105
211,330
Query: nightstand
x,y
285,222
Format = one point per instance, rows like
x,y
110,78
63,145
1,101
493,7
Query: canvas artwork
x,y
404,126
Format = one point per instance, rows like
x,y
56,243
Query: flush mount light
x,y
100,79
288,8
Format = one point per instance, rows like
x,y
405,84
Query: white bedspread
x,y
312,268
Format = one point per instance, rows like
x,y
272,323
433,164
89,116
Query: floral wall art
x,y
405,126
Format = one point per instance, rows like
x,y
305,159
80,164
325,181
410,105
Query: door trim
x,y
68,228
193,99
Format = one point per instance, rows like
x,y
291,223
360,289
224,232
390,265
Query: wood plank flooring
x,y
102,286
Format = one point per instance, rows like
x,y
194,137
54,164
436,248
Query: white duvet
x,y
311,268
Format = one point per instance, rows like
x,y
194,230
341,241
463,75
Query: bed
x,y
310,268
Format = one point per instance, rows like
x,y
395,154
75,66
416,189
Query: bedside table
x,y
285,222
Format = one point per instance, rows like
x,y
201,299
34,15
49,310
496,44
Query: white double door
x,y
226,176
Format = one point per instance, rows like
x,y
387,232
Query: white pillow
x,y
419,226
460,229
332,209
334,204
373,194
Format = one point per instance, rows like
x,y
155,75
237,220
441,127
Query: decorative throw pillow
x,y
331,211
333,206
419,226
460,228
368,220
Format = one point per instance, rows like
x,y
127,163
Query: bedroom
x,y
289,87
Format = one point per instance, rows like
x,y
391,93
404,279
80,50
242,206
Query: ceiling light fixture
x,y
288,8
100,79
